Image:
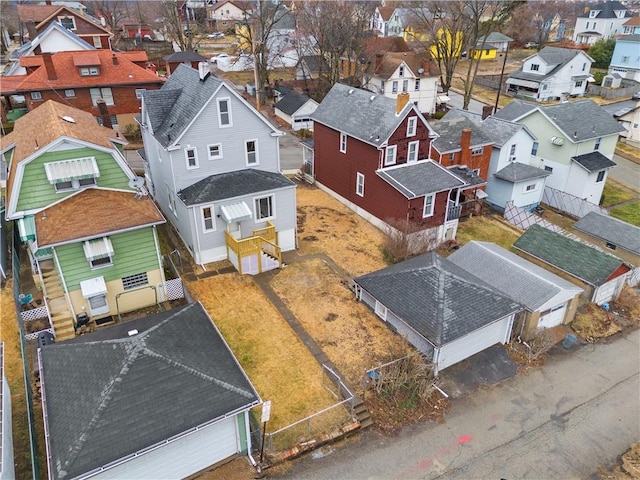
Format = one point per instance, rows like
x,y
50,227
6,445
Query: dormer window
x,y
593,13
89,71
67,22
401,71
72,174
535,67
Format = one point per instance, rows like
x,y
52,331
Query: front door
x,y
235,230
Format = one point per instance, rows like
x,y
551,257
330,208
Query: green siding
x,y
37,192
242,430
134,252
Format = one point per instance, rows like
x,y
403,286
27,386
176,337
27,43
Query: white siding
x,y
552,318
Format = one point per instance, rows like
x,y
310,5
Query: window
x,y
597,145
412,154
113,118
381,310
381,86
264,208
215,151
70,93
530,188
625,59
97,41
140,92
67,22
251,150
343,142
587,27
208,222
477,151
104,93
584,66
417,85
394,87
611,246
401,71
534,148
390,157
548,169
535,67
427,210
191,157
72,174
579,83
89,71
36,96
63,186
360,184
133,281
600,177
171,202
412,123
405,85
224,112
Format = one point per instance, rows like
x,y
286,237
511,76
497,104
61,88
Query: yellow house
x,y
447,44
487,53
410,34
244,37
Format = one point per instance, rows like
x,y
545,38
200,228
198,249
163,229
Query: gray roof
x,y
418,179
184,57
467,175
231,185
635,38
519,172
571,256
107,395
611,230
360,114
551,56
607,10
578,121
593,161
437,298
494,37
519,279
291,102
314,63
497,129
450,127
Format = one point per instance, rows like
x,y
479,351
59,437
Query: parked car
x,y
636,96
216,35
220,56
530,45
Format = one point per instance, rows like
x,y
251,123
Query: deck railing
x,y
261,240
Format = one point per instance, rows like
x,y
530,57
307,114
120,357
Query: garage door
x,y
553,318
474,342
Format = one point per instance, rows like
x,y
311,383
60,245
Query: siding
x,y
37,192
134,252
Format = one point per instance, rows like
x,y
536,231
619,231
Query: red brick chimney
x,y
379,57
465,146
115,59
48,65
425,67
487,110
104,113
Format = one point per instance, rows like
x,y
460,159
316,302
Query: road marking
x,y
433,461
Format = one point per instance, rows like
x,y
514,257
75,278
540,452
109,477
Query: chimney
x,y
378,61
465,146
31,28
401,102
104,113
48,2
115,59
487,110
48,65
425,67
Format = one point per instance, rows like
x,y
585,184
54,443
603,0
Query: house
x,y
551,74
604,20
631,26
213,166
380,20
392,73
188,58
158,397
7,470
36,18
443,311
372,154
575,143
80,78
295,109
548,299
134,28
630,122
88,227
600,275
311,66
625,60
611,233
487,47
226,13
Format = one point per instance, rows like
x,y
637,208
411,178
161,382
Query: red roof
x,y
36,13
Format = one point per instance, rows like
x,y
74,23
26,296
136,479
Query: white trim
x,y
204,219
388,150
417,149
255,152
215,157
360,184
432,196
272,203
412,126
195,157
343,142
230,119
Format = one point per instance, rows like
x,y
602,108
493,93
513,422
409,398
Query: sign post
x,y
266,415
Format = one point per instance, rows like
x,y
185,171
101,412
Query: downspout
x,y
162,277
195,226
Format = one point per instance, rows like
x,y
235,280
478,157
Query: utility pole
x,y
504,62
255,70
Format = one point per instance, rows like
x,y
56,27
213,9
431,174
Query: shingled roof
x,y
107,395
606,10
437,298
449,129
611,230
593,161
554,56
414,180
291,102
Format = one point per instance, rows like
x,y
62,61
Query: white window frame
x,y
171,202
75,184
97,41
188,157
401,71
412,151
140,92
394,87
256,210
534,148
229,120
343,142
67,17
535,67
70,93
99,309
205,219
381,86
417,85
597,144
214,157
412,126
381,310
600,176
101,262
105,93
531,187
405,86
255,152
429,204
36,95
477,151
390,155
360,184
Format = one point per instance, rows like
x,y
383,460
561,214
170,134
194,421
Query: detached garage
x,y
548,299
158,397
442,310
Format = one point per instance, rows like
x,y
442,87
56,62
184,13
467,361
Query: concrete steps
x,y
361,413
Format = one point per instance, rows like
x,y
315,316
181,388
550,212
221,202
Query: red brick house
x,y
80,78
78,22
372,154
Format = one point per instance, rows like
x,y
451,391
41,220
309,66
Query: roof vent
x,y
351,91
372,98
133,332
68,119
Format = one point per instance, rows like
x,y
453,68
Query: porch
x,y
255,254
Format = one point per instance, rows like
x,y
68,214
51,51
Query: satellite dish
x,y
136,182
421,71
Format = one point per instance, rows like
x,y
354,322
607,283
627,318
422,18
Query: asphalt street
x,y
626,172
578,411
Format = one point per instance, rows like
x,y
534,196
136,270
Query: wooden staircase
x,y
59,313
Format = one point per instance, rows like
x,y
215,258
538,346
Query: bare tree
x,y
113,12
172,26
9,23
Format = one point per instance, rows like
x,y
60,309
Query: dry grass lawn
x,y
488,229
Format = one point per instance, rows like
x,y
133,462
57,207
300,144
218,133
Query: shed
x,y
157,397
548,299
445,312
188,58
611,233
601,275
295,109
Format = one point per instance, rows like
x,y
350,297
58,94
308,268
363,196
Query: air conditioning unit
x,y
557,140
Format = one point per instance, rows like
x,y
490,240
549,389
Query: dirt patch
x,y
629,467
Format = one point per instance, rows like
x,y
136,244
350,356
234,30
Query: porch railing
x,y
453,211
261,240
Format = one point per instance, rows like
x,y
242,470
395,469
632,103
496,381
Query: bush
x,y
439,115
132,133
304,133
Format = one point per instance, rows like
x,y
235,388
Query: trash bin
x,y
569,340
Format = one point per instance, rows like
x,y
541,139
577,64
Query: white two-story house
x,y
575,143
601,21
551,74
212,163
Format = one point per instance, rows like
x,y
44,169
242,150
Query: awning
x,y
98,248
93,286
523,83
442,99
27,228
235,212
76,169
